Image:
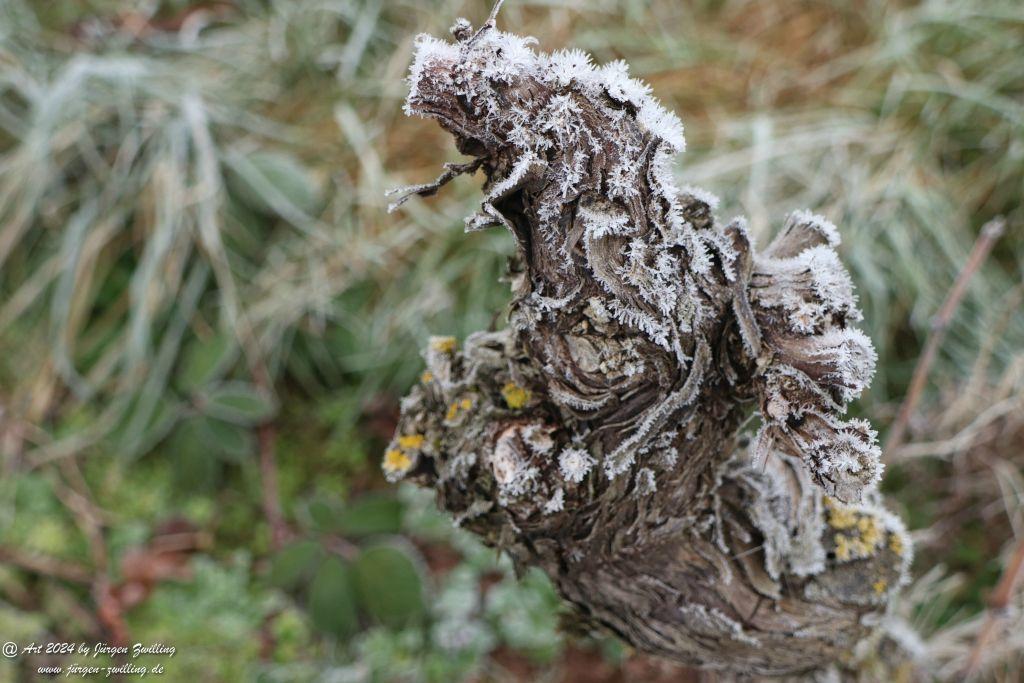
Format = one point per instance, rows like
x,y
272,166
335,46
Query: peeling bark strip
x,y
597,436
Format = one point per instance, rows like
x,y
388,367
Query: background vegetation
x,y
207,318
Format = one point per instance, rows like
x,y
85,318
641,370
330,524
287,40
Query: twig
x,y
279,531
964,438
72,491
76,497
990,233
998,602
266,433
489,25
48,566
451,171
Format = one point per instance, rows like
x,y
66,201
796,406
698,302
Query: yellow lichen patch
x,y
843,550
515,396
896,543
443,344
427,377
904,673
840,517
455,407
871,533
862,548
396,461
411,442
864,533
880,586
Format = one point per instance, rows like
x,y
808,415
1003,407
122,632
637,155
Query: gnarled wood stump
x,y
599,436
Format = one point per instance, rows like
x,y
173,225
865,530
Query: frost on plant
x,y
597,437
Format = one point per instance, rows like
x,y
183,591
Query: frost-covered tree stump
x,y
600,436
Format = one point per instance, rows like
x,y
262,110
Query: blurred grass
x,y
193,240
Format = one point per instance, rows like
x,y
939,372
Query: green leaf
x,y
238,402
372,514
196,467
204,360
294,563
233,442
332,606
323,514
388,586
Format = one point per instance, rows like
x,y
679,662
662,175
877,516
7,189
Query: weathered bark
x,y
600,436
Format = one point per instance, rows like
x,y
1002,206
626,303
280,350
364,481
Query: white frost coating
x,y
620,460
807,555
620,86
565,66
657,285
721,242
811,287
846,454
513,475
562,117
517,57
647,256
832,282
645,481
702,195
478,508
575,401
714,622
538,438
428,51
458,466
843,457
663,450
822,225
905,634
788,548
606,202
602,223
852,355
622,182
629,316
828,675
556,503
662,123
548,304
519,171
575,464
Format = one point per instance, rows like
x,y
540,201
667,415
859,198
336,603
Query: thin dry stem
x,y
987,238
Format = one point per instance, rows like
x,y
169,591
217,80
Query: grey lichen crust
x,y
597,436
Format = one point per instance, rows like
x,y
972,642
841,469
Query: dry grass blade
x,y
999,602
990,233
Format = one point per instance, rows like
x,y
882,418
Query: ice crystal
x,y
513,473
575,464
645,481
565,66
621,87
556,503
662,123
817,223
